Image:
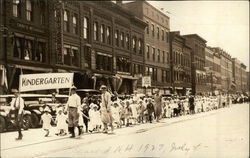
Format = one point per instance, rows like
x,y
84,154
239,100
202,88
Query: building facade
x,y
213,71
198,73
180,59
157,55
244,78
102,43
236,75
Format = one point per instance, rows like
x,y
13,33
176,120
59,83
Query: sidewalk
x,y
36,136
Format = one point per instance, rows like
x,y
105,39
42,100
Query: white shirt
x,y
74,101
17,103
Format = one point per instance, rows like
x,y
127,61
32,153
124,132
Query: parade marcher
x,y
46,119
94,118
105,109
133,107
72,106
61,122
17,105
115,111
85,113
191,104
158,105
128,112
150,110
141,110
122,113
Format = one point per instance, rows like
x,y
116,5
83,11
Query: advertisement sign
x,y
43,81
146,81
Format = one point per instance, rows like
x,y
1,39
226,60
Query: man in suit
x,y
17,105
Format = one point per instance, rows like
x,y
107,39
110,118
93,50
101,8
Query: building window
x,y
87,56
147,28
75,24
66,21
40,52
134,44
122,39
75,56
140,46
127,41
153,30
17,51
95,31
167,37
108,35
158,33
66,56
117,38
147,51
158,55
16,8
102,33
29,8
153,53
104,62
28,50
163,76
162,35
123,64
42,12
163,56
85,28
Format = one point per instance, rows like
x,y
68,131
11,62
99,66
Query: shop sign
x,y
146,81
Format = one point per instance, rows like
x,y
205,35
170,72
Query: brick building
x,y
180,59
213,70
244,78
101,43
157,56
198,73
236,75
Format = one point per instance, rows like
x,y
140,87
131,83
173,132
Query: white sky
x,y
221,23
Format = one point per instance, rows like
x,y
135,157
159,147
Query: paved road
x,y
220,133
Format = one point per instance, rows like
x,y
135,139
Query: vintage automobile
x,y
7,117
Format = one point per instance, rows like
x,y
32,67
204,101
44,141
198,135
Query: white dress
x,y
115,113
134,110
61,121
46,118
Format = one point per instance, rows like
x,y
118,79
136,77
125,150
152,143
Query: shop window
x,y
117,38
104,62
67,56
95,31
123,64
85,28
102,34
66,21
108,35
29,10
75,21
16,8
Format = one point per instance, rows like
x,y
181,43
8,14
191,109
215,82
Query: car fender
x,y
37,111
25,112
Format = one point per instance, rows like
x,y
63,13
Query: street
x,y
219,133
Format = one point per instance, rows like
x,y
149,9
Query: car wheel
x,y
26,122
34,120
2,124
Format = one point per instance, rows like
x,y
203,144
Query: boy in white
x,y
61,123
46,119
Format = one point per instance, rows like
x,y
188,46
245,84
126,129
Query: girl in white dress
x,y
115,111
61,122
46,119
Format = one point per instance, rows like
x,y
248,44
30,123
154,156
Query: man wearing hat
x,y
73,107
158,105
17,105
106,109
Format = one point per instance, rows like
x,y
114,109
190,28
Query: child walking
x,y
61,123
46,119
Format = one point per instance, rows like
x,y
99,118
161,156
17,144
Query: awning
x,y
34,68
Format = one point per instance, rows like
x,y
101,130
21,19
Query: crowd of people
x,y
109,111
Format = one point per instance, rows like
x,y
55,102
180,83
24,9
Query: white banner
x,y
43,81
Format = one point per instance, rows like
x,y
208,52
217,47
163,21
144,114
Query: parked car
x,y
7,117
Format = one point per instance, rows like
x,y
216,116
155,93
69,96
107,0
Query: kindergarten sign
x,y
43,81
